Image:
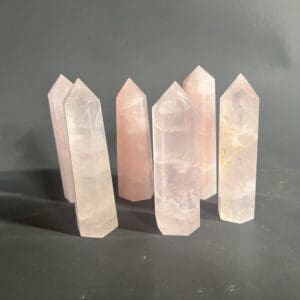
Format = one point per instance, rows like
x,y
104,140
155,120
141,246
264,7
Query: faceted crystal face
x,y
95,203
200,88
239,113
176,164
56,96
135,170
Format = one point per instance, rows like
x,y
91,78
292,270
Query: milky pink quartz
x,y
56,96
134,154
200,88
176,164
95,202
239,113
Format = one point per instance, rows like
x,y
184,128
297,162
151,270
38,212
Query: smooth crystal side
x,y
56,97
176,164
200,88
239,115
134,154
95,202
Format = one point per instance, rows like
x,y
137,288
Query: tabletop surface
x,y
43,257
155,43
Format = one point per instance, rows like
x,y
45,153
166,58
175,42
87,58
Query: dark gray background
x,y
155,43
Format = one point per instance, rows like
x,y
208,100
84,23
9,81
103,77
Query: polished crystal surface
x,y
56,96
176,164
95,202
134,154
239,114
200,88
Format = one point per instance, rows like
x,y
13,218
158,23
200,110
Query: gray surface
x,y
155,43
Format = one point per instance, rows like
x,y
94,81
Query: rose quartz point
x,y
200,88
56,96
239,115
95,202
134,154
176,164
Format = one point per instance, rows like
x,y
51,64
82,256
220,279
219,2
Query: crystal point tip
x,y
240,84
199,74
82,89
62,77
175,89
60,81
78,81
130,89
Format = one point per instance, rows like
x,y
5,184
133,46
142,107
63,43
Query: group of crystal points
x,y
184,165
87,160
184,149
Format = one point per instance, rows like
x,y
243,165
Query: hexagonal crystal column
x,y
95,202
56,96
134,153
200,87
239,114
176,164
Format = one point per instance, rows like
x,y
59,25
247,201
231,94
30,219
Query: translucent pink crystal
x,y
200,88
239,113
135,170
176,164
95,202
56,96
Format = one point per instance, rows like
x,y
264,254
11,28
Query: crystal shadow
x,y
35,198
136,216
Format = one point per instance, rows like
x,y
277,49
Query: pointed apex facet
x,y
60,83
79,83
241,80
175,85
62,77
81,93
240,84
199,74
130,90
130,84
175,91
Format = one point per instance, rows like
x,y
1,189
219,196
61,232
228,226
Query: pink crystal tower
x,y
239,114
200,88
56,96
134,154
176,164
95,202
